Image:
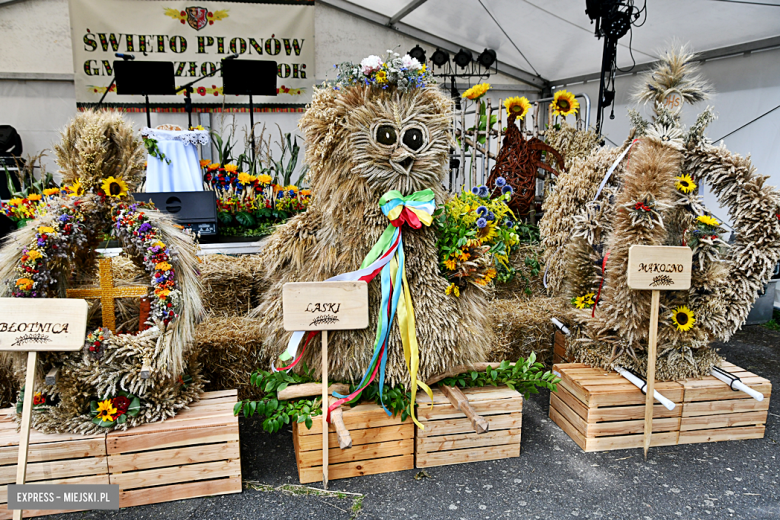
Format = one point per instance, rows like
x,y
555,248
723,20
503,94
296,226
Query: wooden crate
x,y
713,412
52,459
194,454
380,444
559,348
449,437
601,410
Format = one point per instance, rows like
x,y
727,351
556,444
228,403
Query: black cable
x,y
746,124
508,38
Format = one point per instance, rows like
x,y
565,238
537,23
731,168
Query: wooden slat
x,y
356,469
362,416
57,469
10,437
723,434
469,440
729,420
219,393
171,439
474,394
156,495
709,393
359,437
76,449
668,424
484,408
565,411
442,458
453,426
363,452
570,430
173,457
724,406
176,424
627,413
176,474
671,390
624,442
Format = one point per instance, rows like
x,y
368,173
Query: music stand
x,y
249,78
147,78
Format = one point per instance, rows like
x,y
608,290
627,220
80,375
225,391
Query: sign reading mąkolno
x,y
660,268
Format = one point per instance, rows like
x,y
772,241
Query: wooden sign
x,y
660,268
34,325
42,324
325,305
657,268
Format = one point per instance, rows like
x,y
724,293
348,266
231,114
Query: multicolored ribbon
x,y
386,259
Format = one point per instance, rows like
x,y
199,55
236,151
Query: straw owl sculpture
x,y
378,139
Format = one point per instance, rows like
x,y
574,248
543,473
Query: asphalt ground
x,y
552,479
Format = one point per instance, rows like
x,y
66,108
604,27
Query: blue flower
x,y
481,222
483,192
508,223
291,193
507,189
491,216
500,182
481,211
475,190
280,195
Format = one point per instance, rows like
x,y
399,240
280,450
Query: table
x,y
184,172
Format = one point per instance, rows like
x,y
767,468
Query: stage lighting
x,y
487,58
462,58
440,57
418,53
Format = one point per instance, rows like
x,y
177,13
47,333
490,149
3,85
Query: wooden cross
x,y
107,292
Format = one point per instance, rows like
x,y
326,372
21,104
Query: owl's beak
x,y
402,161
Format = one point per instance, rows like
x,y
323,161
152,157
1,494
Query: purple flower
x,y
41,242
64,218
481,222
491,216
483,191
144,227
475,190
508,223
481,211
500,182
507,189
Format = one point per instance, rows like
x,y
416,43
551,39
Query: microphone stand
x,y
187,88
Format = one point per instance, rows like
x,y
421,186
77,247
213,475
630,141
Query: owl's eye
x,y
385,134
413,138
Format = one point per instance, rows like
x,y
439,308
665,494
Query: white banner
x,y
195,36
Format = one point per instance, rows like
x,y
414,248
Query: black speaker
x,y
195,210
10,141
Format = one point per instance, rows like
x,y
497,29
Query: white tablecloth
x,y
184,172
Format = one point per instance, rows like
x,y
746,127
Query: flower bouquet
x,y
114,410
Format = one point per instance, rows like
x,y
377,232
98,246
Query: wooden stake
x,y
651,352
24,434
325,409
309,390
337,419
459,400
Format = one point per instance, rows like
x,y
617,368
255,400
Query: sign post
x,y
657,268
32,326
325,306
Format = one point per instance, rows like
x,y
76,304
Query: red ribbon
x,y
601,284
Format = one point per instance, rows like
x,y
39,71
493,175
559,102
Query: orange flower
x,y
34,197
213,166
305,193
163,266
24,284
231,168
204,163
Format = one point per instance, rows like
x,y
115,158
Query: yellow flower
x,y
685,183
163,266
114,187
477,91
579,301
381,77
453,289
450,264
213,166
33,197
204,163
424,68
231,168
24,284
159,244
199,127
683,318
75,189
487,233
292,187
245,178
264,179
45,229
564,103
106,410
708,220
15,202
518,106
51,191
305,193
162,293
34,255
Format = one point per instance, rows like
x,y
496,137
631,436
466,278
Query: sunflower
x,y
518,106
106,410
116,188
477,91
708,220
488,232
683,318
381,77
75,189
685,183
564,103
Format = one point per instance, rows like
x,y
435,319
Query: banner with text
x,y
196,36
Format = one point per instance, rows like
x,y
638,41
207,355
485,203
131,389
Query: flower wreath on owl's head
x,y
402,72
